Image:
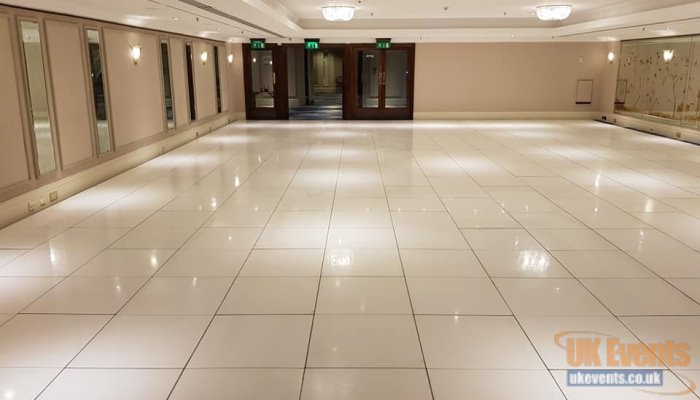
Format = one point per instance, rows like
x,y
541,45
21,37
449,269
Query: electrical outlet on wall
x,y
31,206
42,201
53,196
678,135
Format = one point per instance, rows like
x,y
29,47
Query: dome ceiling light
x,y
338,13
554,12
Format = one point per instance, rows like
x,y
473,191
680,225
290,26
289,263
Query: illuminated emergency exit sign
x,y
257,44
383,44
312,44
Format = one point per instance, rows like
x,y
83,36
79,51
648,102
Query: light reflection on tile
x,y
363,251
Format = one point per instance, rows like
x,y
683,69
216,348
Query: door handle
x,y
383,78
274,78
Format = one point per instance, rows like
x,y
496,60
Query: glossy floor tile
x,y
475,342
271,295
138,341
46,341
358,261
25,383
239,383
521,264
452,384
254,341
112,384
369,384
357,341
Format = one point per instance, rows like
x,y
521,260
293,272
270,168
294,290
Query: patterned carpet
x,y
328,106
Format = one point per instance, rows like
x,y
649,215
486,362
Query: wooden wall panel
x,y
13,158
70,91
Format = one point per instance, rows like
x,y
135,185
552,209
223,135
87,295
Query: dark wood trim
x,y
381,112
351,109
281,82
280,90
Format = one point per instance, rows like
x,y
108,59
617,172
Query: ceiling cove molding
x,y
278,8
646,18
223,14
622,9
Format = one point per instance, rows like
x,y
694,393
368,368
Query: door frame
x,y
357,112
280,88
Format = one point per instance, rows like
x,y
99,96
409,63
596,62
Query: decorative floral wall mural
x,y
660,79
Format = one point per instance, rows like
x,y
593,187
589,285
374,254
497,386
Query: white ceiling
x,y
402,20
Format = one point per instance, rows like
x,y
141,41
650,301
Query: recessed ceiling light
x,y
554,12
176,18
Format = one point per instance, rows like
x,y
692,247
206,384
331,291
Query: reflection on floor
x,y
367,260
327,106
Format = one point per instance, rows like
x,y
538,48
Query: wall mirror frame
x,y
166,75
37,90
190,80
100,109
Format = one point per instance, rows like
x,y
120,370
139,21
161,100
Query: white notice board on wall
x,y
584,91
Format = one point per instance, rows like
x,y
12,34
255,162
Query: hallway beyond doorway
x,y
315,84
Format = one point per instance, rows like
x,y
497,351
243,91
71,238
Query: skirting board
x,y
671,131
495,115
16,208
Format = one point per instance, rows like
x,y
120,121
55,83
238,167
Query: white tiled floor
x,y
357,261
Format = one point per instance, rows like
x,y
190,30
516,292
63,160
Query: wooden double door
x,y
377,83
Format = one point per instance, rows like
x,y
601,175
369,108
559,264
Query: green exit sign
x,y
257,44
312,44
383,43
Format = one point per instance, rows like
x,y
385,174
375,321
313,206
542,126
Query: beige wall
x,y
205,83
236,88
13,159
135,89
224,72
509,77
135,98
73,121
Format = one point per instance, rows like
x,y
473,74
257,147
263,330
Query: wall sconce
x,y
611,56
204,56
230,58
668,55
136,54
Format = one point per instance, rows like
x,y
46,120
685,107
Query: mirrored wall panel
x,y
190,82
660,79
167,84
38,96
99,96
396,78
369,70
218,79
262,77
